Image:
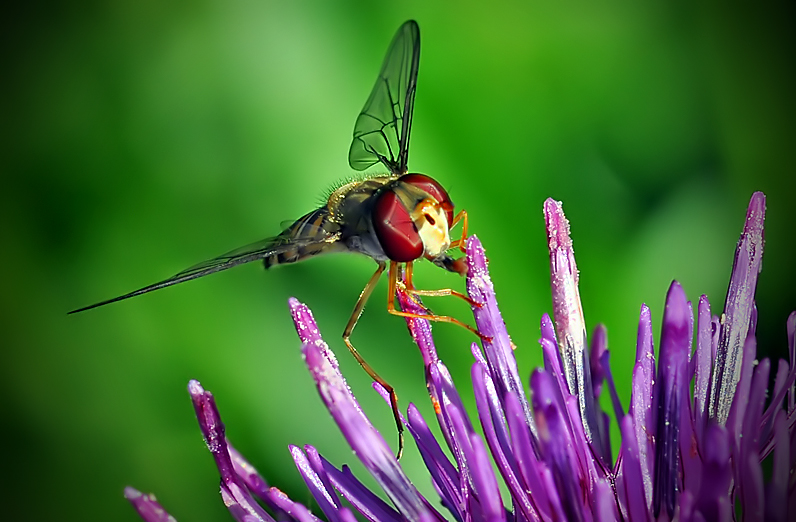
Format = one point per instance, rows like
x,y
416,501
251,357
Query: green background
x,y
139,138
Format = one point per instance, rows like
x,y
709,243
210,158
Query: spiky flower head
x,y
695,434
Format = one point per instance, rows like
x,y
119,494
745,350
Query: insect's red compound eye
x,y
394,227
433,189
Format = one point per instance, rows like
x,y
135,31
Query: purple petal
x,y
213,432
568,314
689,456
643,433
750,476
147,506
600,359
549,333
486,486
633,493
231,494
552,365
365,501
460,434
498,348
792,356
737,311
546,476
252,479
307,329
318,484
441,388
712,500
585,463
671,388
783,384
689,450
735,419
609,377
777,490
599,346
703,364
642,402
364,439
492,416
293,509
716,329
558,449
686,505
443,473
347,515
562,462
529,466
604,502
420,329
551,354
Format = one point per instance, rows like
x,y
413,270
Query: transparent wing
x,y
381,132
258,250
284,242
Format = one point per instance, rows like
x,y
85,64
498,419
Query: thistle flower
x,y
693,438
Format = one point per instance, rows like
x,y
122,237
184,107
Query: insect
x,y
395,218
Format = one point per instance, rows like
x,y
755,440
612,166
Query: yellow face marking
x,y
432,225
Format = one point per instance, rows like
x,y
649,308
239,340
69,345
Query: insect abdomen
x,y
308,236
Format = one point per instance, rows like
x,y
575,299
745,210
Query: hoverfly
x,y
395,219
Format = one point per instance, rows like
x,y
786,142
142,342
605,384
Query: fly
x,y
395,219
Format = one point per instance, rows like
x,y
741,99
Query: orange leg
x,y
352,322
392,290
410,289
460,243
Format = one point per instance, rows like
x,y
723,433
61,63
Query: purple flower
x,y
695,434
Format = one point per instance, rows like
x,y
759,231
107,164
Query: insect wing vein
x,y
382,129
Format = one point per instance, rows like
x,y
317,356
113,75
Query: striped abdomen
x,y
310,235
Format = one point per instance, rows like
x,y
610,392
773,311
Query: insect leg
x,y
352,322
460,243
393,276
410,288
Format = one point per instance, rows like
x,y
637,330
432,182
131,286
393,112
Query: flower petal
x,y
497,347
365,501
784,386
232,495
252,479
236,497
419,328
738,407
364,439
443,474
750,474
294,510
703,363
671,389
486,486
633,492
147,506
493,422
530,467
441,387
568,314
737,311
317,483
552,356
777,490
712,500
558,447
600,362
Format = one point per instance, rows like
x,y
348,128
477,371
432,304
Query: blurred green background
x,y
140,137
